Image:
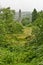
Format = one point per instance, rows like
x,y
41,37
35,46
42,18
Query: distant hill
x,y
23,15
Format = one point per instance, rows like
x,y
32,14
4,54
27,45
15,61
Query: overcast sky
x,y
24,5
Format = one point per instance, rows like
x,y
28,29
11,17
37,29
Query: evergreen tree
x,y
34,15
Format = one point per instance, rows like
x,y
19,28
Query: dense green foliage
x,y
21,45
25,21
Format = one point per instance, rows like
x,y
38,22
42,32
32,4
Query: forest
x,y
21,41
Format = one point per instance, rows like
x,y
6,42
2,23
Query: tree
x,y
34,15
25,21
7,14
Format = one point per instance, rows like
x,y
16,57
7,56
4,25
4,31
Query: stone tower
x,y
19,15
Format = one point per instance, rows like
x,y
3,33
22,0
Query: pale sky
x,y
24,5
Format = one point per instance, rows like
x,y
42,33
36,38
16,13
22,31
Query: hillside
x,y
20,45
19,48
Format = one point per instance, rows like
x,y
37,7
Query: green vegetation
x,y
25,21
20,43
34,15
